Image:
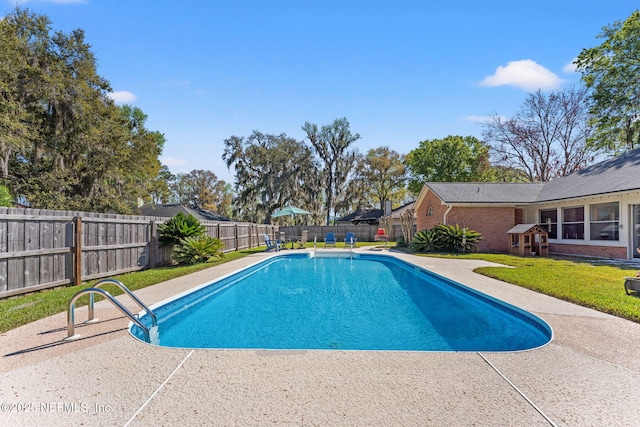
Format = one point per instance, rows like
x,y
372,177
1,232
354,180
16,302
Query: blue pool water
x,y
365,302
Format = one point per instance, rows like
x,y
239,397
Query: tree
x,y
385,173
13,115
452,159
63,143
6,199
203,190
331,143
546,138
272,171
612,72
160,191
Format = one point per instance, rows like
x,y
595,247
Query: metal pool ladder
x,y
91,317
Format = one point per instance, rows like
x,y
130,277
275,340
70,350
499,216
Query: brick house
x,y
592,212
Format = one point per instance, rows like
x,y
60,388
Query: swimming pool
x,y
342,301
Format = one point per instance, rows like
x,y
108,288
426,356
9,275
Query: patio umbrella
x,y
289,210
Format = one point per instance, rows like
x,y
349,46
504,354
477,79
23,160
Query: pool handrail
x,y
71,315
126,291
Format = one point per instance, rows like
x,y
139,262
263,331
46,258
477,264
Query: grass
x,y
18,311
590,283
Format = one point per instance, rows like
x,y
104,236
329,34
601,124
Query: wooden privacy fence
x,y
41,249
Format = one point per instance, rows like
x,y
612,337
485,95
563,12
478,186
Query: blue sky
x,y
400,72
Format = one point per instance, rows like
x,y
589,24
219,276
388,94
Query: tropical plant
x,y
423,241
453,238
446,238
197,249
178,228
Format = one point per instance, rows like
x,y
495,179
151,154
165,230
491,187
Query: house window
x,y
430,211
573,223
549,221
605,221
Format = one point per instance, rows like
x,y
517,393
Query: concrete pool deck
x,y
589,375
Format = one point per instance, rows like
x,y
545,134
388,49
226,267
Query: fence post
x,y
77,251
152,244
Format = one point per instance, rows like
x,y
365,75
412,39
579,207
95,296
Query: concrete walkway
x,y
589,375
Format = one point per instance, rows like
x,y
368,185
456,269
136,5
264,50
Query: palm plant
x,y
423,241
446,238
453,238
180,227
197,249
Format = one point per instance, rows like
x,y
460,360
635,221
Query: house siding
x,y
613,252
423,221
491,222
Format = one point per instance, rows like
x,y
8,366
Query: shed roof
x,y
526,228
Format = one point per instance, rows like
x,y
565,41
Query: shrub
x,y
197,249
423,241
178,228
452,238
446,238
401,243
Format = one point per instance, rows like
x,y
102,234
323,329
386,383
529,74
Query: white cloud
x,y
481,119
122,96
172,162
571,66
524,74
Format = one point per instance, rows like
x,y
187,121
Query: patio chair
x,y
303,239
381,236
350,239
330,239
271,244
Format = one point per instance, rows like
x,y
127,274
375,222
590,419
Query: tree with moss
x,y
64,144
271,172
611,71
332,144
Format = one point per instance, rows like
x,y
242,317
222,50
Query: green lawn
x,y
590,283
582,282
21,310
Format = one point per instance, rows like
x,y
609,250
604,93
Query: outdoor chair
x,y
271,244
303,239
350,239
330,239
381,236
